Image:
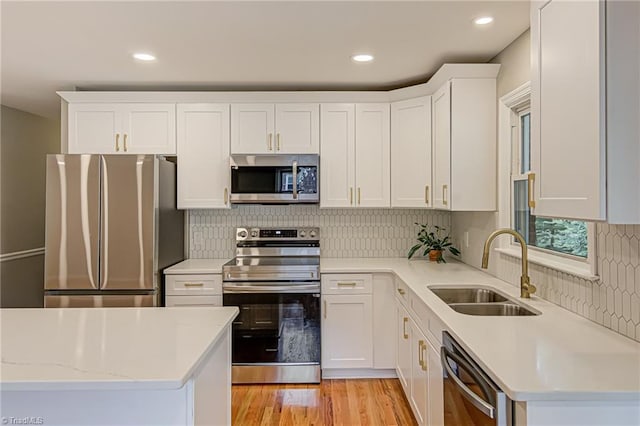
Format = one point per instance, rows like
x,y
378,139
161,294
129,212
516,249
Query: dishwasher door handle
x,y
486,408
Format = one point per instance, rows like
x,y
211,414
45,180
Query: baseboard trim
x,y
358,373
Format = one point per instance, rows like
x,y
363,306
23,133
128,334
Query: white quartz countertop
x,y
107,348
557,355
197,266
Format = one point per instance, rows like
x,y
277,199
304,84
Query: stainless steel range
x,y
275,281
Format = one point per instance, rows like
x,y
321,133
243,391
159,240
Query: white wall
x,y
612,301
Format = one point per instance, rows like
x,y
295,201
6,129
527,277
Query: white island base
x,y
201,397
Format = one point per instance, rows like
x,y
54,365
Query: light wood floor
x,y
366,402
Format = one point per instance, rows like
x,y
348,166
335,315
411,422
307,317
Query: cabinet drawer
x,y
401,290
209,284
347,284
193,301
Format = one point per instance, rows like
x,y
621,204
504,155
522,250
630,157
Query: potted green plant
x,y
433,242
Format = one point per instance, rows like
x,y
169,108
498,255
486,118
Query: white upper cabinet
x,y
355,150
442,147
411,153
585,136
275,128
373,155
337,155
297,128
464,145
203,156
127,128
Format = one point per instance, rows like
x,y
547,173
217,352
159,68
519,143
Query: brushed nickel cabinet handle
x,y
194,284
124,142
531,178
278,141
270,143
444,194
401,291
117,142
404,327
226,196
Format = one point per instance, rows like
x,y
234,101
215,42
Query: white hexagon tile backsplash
x,y
343,232
613,300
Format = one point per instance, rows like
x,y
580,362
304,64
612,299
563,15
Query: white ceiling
x,y
50,46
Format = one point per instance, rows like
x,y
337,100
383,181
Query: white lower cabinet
x,y
347,332
354,306
193,290
418,366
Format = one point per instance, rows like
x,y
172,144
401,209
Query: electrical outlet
x,y
466,239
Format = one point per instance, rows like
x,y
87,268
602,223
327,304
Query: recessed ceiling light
x,y
144,57
363,57
483,20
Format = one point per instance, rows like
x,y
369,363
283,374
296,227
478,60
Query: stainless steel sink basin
x,y
467,295
492,309
481,301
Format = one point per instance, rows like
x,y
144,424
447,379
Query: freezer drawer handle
x,y
193,284
487,409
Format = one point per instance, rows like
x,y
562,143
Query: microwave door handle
x,y
294,166
487,409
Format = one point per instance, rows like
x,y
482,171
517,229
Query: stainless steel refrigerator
x,y
112,226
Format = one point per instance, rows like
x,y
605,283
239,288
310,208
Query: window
x,y
557,243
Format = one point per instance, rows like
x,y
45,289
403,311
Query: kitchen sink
x,y
481,301
467,295
492,309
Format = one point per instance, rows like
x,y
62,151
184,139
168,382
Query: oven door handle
x,y
275,288
294,177
486,408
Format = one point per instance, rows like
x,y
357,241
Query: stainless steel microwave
x,y
274,179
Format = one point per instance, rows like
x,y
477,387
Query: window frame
x,y
510,108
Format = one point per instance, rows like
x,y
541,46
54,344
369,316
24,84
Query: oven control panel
x,y
256,234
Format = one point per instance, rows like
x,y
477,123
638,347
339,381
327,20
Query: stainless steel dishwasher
x,y
470,396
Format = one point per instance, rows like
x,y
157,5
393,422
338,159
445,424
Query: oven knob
x,y
242,234
312,234
302,234
254,233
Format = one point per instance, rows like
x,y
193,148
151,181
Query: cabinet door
x,y
203,156
411,153
347,331
149,128
373,155
403,348
297,128
419,383
567,135
94,129
252,129
337,155
442,147
435,385
384,321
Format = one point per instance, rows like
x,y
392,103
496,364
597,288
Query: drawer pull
x,y
401,291
347,284
194,284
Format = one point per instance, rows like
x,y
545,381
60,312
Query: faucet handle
x,y
527,289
